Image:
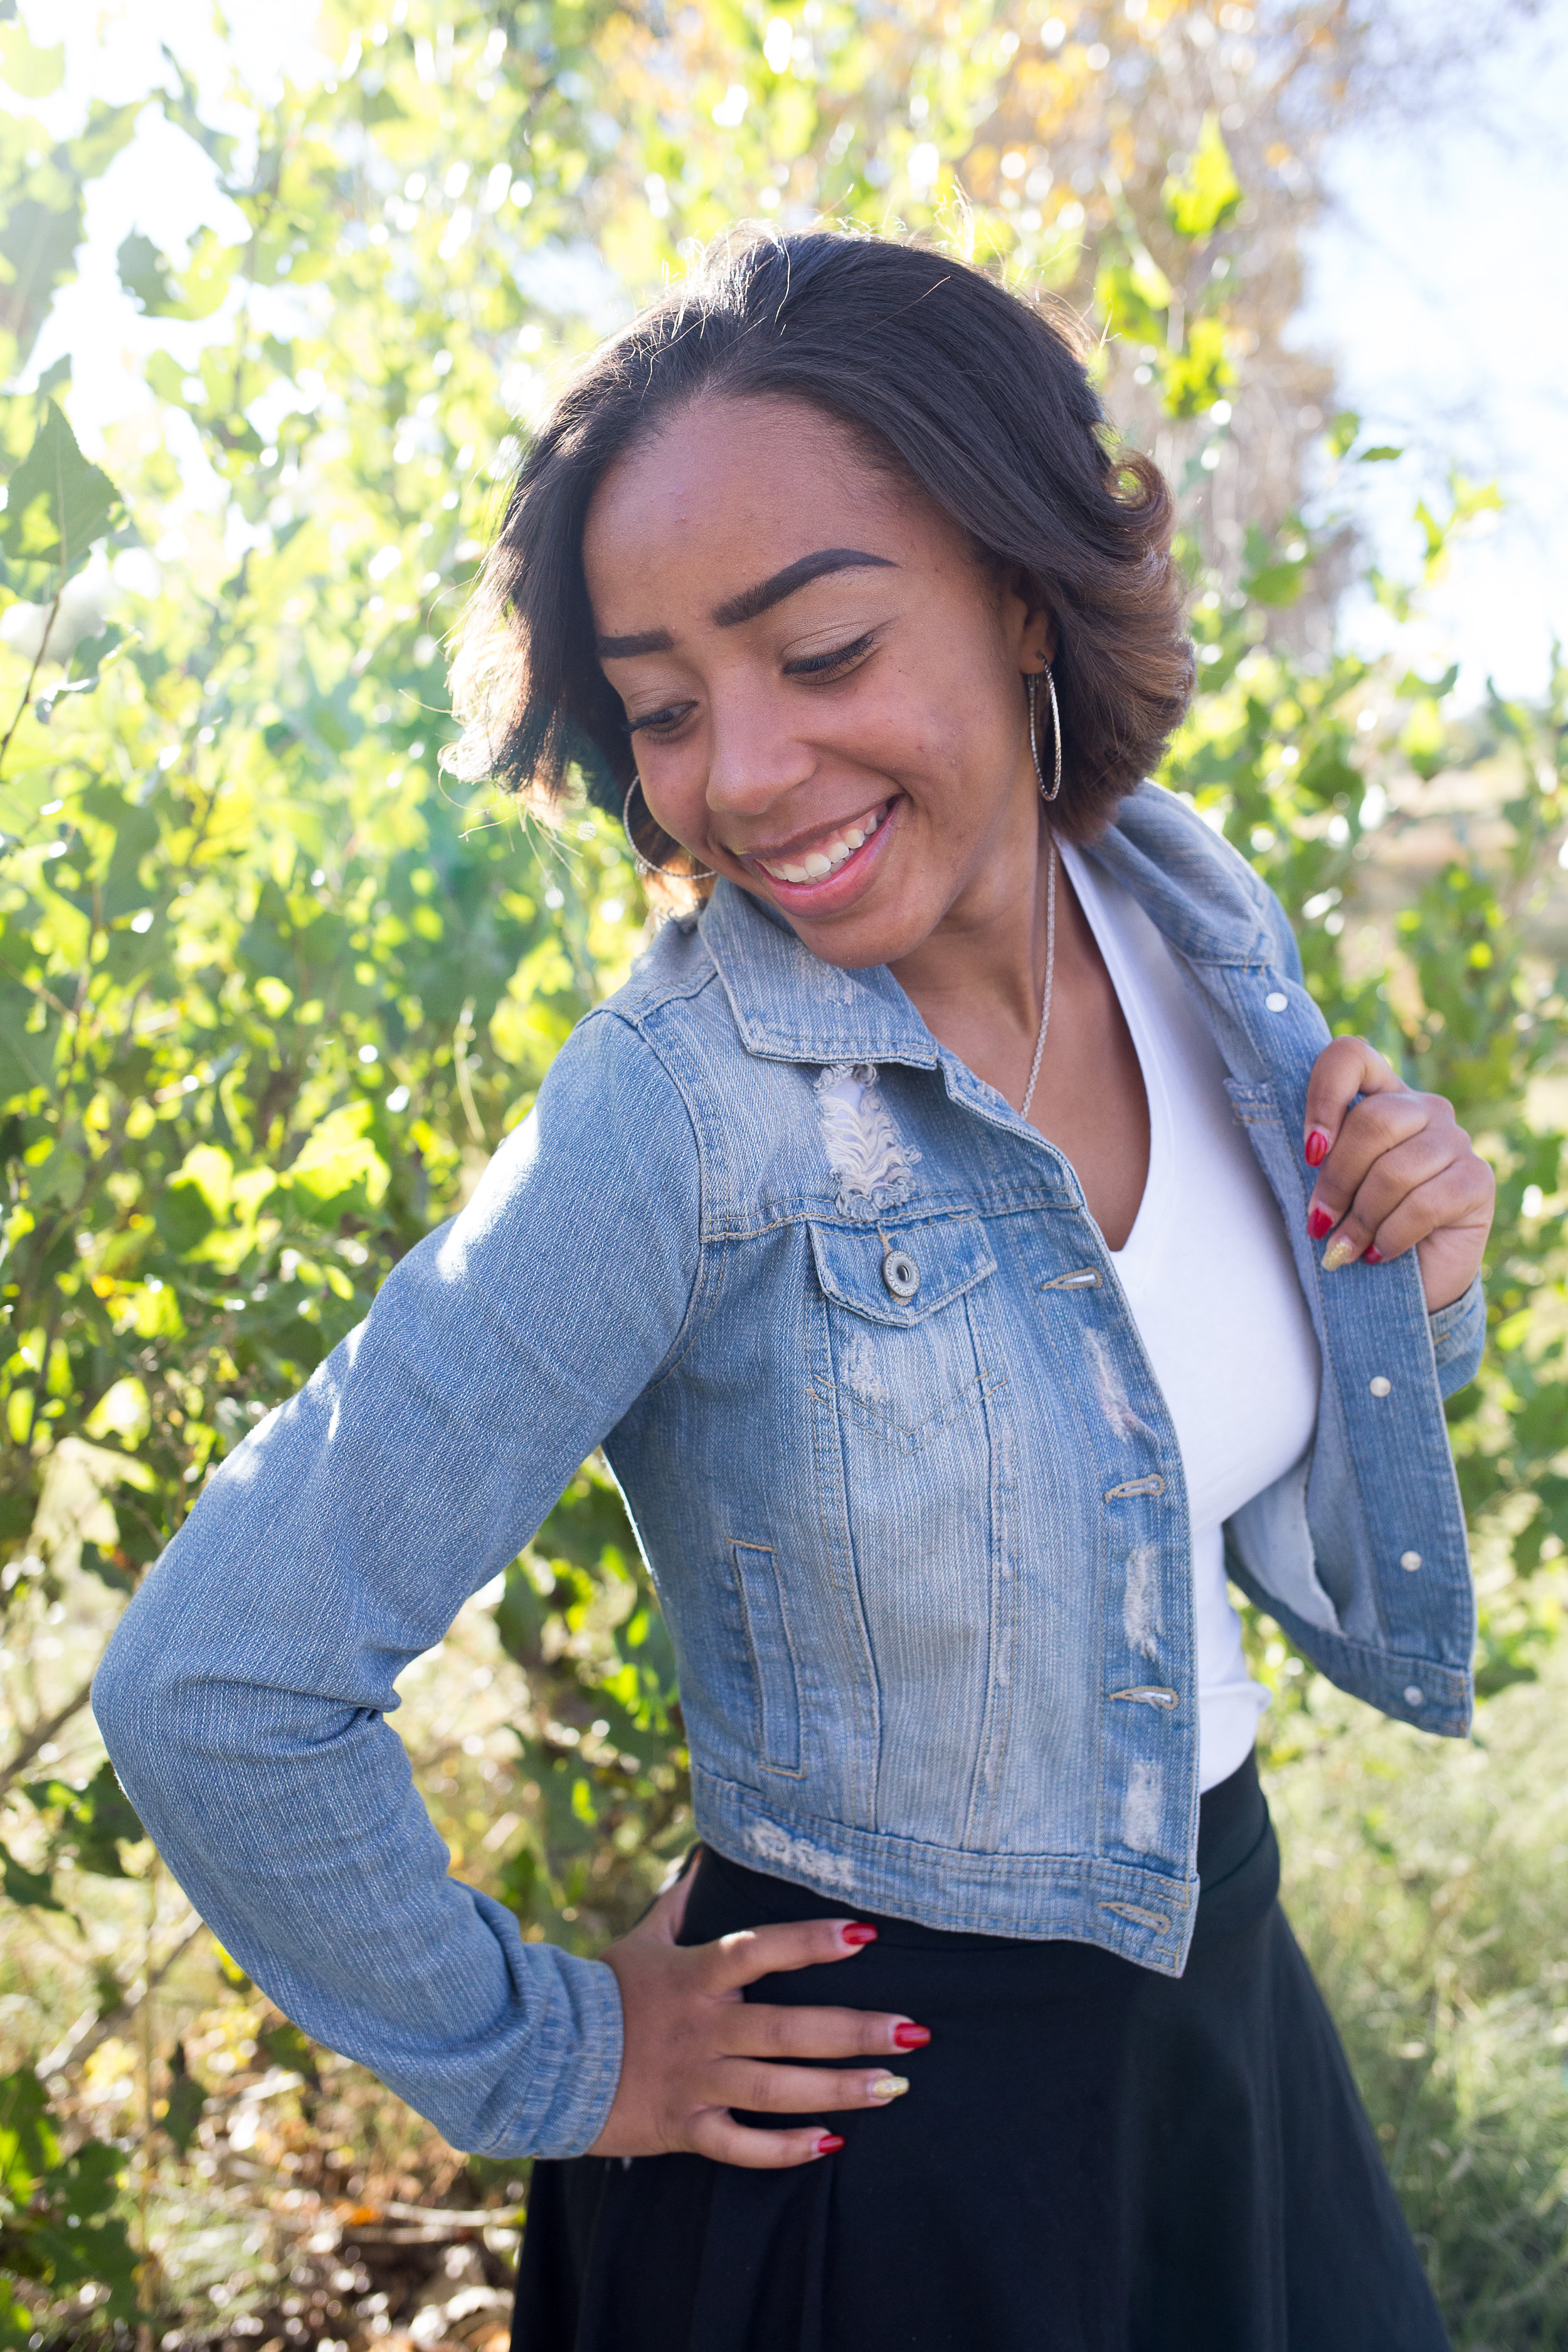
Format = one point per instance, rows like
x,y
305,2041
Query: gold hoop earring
x,y
1033,683
703,874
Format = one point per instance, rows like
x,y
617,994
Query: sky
x,y
1434,283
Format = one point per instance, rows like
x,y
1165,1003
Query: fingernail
x,y
910,2037
1371,1255
1317,1146
890,2087
858,1932
1319,1223
830,2143
1340,1252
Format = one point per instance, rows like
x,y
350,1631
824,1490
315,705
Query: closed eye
x,y
838,658
660,722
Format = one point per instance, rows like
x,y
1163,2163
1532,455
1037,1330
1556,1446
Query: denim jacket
x,y
857,1352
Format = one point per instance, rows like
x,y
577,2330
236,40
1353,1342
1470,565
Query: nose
x,y
755,757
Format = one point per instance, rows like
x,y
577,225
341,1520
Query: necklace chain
x,y
1050,973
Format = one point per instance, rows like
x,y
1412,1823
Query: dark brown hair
x,y
977,397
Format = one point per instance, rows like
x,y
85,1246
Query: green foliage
x,y
270,990
58,2229
1208,194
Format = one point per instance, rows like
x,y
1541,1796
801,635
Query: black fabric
x,y
1092,2158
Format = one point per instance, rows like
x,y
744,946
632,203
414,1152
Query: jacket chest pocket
x,y
907,1352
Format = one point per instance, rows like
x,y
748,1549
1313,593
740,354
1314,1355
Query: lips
x,y
826,854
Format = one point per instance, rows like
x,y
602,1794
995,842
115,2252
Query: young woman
x,y
968,1249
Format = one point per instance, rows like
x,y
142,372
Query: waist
x,y
1237,1864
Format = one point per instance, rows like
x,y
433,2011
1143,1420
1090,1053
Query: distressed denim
x,y
857,1352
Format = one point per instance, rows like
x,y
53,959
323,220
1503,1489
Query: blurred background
x,y
279,296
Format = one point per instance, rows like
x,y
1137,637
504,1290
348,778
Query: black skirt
x,y
1091,2158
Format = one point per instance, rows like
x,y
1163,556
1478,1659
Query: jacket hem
x,y
1443,1696
1146,1915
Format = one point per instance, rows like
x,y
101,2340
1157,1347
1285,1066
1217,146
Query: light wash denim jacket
x,y
857,1352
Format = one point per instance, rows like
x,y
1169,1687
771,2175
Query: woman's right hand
x,y
695,2047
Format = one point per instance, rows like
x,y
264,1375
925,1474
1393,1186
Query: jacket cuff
x,y
1459,1338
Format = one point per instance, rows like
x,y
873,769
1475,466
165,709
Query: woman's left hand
x,y
1395,1171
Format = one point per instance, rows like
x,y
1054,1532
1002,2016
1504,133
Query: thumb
x,y
662,1921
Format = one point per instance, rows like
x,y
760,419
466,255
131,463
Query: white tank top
x,y
1209,1279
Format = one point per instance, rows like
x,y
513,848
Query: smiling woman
x,y
928,1233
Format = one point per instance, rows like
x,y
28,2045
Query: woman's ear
x,y
1034,624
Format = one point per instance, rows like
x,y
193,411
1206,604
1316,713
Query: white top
x,y
1209,1279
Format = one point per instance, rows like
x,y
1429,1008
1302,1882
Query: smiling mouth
x,y
827,854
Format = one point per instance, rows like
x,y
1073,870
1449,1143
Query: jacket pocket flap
x,y
899,1273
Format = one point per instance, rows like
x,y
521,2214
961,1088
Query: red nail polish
x,y
829,2144
1319,1223
910,2037
858,1932
1317,1146
1371,1255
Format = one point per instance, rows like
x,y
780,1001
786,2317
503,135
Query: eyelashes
x,y
810,665
823,664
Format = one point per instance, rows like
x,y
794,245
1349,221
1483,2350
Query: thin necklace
x,y
1050,973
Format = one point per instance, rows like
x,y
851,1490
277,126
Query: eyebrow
x,y
751,602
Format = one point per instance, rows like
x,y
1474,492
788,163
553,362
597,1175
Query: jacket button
x,y
1275,1000
901,1274
1410,1559
1414,1694
1380,1387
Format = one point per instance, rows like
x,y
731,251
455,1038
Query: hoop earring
x,y
1033,684
703,874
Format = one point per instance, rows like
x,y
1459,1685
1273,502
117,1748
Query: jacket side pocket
x,y
775,1675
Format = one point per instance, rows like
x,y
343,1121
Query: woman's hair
x,y
978,398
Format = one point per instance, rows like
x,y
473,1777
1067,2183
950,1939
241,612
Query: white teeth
x,y
826,860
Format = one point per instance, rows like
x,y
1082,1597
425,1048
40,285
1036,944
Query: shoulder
x,y
1195,882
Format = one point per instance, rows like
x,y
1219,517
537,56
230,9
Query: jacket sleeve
x,y
1459,1339
244,1696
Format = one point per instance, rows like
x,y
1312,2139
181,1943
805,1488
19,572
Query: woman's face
x,y
825,691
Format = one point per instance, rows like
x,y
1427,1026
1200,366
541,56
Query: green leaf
x,y
33,1889
1342,431
56,506
1381,455
1208,191
28,2147
30,71
187,2100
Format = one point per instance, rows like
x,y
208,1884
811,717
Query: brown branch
x,y
91,2030
32,674
40,1735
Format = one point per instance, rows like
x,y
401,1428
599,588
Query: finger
x,y
1409,1165
1346,1068
766,2090
1373,1129
715,2134
752,1952
756,2030
1452,1202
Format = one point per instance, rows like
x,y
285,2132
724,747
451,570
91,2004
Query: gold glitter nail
x,y
890,2087
1340,1252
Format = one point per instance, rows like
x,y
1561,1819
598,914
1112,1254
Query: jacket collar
x,y
790,1006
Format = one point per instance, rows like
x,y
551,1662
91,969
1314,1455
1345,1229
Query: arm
x,y
243,1698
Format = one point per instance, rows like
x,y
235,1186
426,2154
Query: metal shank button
x,y
901,1274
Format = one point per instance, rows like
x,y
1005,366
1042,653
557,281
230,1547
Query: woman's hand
x,y
1395,1171
694,2047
